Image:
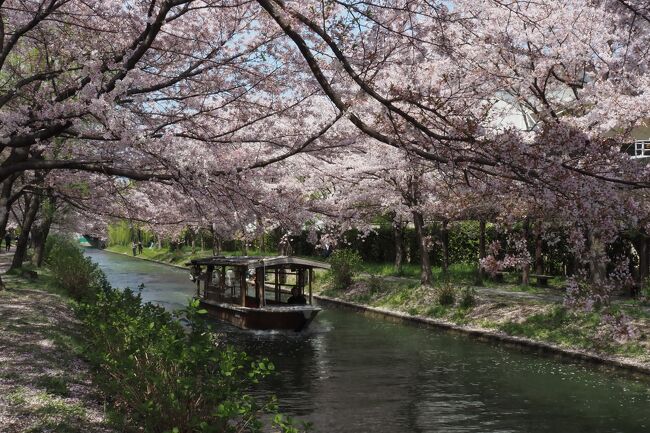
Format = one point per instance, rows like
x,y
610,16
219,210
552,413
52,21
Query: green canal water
x,y
349,373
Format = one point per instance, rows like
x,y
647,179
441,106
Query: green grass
x,y
459,272
409,270
632,308
521,288
17,397
55,414
54,385
44,281
558,326
395,299
182,255
513,280
437,311
569,329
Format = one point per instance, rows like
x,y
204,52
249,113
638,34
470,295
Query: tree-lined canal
x,y
349,373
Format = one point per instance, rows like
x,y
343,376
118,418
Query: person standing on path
x,y
7,241
139,247
134,247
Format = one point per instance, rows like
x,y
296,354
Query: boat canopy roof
x,y
254,262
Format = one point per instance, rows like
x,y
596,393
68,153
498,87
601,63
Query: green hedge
x,y
167,378
345,264
158,374
71,269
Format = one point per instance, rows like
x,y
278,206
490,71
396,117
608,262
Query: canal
x,y
349,373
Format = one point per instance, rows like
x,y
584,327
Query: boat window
x,y
230,278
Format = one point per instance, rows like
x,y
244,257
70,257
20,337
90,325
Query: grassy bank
x,y
45,385
460,273
620,330
508,307
179,256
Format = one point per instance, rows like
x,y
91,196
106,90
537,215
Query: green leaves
x,y
167,378
72,271
345,264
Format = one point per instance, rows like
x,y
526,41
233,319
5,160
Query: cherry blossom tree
x,y
177,92
245,116
442,82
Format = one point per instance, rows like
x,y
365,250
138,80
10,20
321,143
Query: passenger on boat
x,y
296,297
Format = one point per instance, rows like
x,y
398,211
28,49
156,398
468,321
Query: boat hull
x,y
294,318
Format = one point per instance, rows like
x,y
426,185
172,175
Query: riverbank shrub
x,y
446,294
71,269
376,285
467,298
167,378
345,264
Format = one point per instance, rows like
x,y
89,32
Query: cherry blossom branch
x,y
89,166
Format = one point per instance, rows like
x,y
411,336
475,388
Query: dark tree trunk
x,y
26,228
642,250
597,269
426,277
40,233
571,265
445,246
5,204
6,199
525,270
213,232
5,209
482,252
539,258
398,237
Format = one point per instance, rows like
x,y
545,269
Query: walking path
x,y
44,385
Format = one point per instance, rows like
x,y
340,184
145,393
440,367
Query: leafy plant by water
x,y
446,294
376,285
71,270
467,298
345,264
165,378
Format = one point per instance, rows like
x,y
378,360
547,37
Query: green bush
x,y
376,284
345,264
72,271
467,298
165,378
446,294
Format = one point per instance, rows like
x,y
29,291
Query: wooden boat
x,y
253,292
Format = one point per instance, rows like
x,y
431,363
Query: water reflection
x,y
348,373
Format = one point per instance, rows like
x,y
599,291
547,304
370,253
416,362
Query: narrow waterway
x,y
350,374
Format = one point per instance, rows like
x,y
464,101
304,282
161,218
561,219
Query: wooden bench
x,y
542,280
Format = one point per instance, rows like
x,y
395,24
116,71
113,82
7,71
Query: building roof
x,y
253,262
